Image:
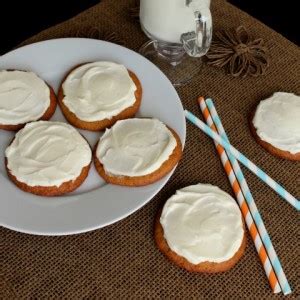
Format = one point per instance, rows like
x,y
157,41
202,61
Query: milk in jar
x,y
167,20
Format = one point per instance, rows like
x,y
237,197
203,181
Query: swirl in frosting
x,y
98,91
277,121
135,147
47,154
202,223
24,97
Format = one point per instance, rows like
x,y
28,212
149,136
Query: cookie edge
x,y
45,117
204,267
127,113
267,146
50,191
164,169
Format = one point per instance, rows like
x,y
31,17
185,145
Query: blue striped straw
x,y
245,210
244,160
251,204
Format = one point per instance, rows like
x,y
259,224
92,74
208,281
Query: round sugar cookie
x,y
48,158
200,229
24,97
275,125
137,152
95,95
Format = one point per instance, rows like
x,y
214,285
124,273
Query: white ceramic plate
x,y
95,204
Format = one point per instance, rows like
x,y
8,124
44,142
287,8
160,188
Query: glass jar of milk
x,y
176,28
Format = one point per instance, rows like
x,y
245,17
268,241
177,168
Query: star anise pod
x,y
239,53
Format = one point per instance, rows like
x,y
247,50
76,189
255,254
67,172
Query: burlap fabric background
x,y
121,261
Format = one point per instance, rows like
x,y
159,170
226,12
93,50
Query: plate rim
x,y
154,192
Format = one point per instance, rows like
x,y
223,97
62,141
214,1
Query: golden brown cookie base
x,y
270,148
102,124
166,167
205,267
48,191
46,116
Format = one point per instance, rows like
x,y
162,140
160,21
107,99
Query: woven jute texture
x,y
122,261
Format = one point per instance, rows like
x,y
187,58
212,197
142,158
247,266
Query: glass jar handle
x,y
196,43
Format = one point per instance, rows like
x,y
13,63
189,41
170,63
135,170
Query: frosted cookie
x,y
276,125
95,95
48,158
24,97
137,152
201,229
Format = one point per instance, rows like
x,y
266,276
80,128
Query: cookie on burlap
x,y
137,152
48,158
201,229
275,125
24,97
94,96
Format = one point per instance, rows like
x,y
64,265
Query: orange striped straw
x,y
260,248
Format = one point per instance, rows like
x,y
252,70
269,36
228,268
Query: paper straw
x,y
251,204
244,160
260,248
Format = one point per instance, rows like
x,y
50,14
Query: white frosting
x,y
24,97
47,154
202,223
98,91
135,147
277,121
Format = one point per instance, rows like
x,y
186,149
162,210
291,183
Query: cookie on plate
x,y
24,97
276,125
95,95
200,229
137,152
48,158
